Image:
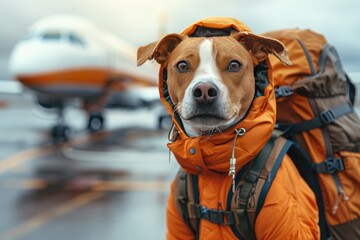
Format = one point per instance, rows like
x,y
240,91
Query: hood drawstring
x,y
232,169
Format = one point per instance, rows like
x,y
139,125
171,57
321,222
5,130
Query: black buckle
x,y
327,117
330,166
209,214
217,216
283,91
334,164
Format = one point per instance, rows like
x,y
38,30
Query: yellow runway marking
x,y
106,186
131,186
19,158
98,190
58,211
31,184
24,156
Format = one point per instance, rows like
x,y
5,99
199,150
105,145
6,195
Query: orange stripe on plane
x,y
87,77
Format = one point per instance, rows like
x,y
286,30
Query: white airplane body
x,y
64,57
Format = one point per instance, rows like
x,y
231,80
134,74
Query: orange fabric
x,y
285,75
217,22
297,108
291,212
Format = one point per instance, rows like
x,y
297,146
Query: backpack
x,y
315,100
319,131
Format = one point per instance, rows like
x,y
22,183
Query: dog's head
x,y
211,80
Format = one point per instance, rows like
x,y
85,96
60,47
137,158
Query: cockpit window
x,y
76,40
51,36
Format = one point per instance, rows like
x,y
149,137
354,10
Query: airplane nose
x,y
205,92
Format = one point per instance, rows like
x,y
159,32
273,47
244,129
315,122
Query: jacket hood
x,y
209,154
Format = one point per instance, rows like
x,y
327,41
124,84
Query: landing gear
x,y
61,132
96,122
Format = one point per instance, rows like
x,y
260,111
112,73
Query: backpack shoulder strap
x,y
250,195
184,193
307,170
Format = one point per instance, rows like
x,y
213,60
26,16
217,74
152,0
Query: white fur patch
x,y
207,71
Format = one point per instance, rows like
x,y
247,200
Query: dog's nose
x,y
205,92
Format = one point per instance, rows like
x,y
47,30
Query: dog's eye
x,y
182,66
234,66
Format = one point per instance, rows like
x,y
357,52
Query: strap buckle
x,y
334,164
330,166
212,215
283,91
327,117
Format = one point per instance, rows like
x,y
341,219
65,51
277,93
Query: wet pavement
x,y
108,185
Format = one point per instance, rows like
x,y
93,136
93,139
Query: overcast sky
x,y
138,21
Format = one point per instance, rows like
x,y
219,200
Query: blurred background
x,y
70,169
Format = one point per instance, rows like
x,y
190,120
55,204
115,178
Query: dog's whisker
x,y
210,133
219,130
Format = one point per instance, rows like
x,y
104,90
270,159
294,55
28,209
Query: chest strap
x,y
326,117
243,206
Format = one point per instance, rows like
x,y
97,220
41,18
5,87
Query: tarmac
x,y
108,185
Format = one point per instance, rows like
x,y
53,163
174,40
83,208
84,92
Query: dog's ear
x,y
260,46
159,50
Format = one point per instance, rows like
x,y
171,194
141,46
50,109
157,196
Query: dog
x,y
209,83
212,80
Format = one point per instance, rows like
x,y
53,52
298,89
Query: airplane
x,y
65,57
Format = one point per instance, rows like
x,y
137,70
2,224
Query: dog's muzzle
x,y
205,93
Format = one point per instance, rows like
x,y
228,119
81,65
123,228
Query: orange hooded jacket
x,y
289,211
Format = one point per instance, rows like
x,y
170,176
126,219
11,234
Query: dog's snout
x,y
205,92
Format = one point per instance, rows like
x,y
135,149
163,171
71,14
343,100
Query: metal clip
x,y
232,168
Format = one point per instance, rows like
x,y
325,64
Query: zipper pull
x,y
340,196
344,197
336,205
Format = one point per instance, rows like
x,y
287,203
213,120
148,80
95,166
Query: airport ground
x,y
109,185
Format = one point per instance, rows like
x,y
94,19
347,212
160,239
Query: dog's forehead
x,y
188,46
223,45
228,45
